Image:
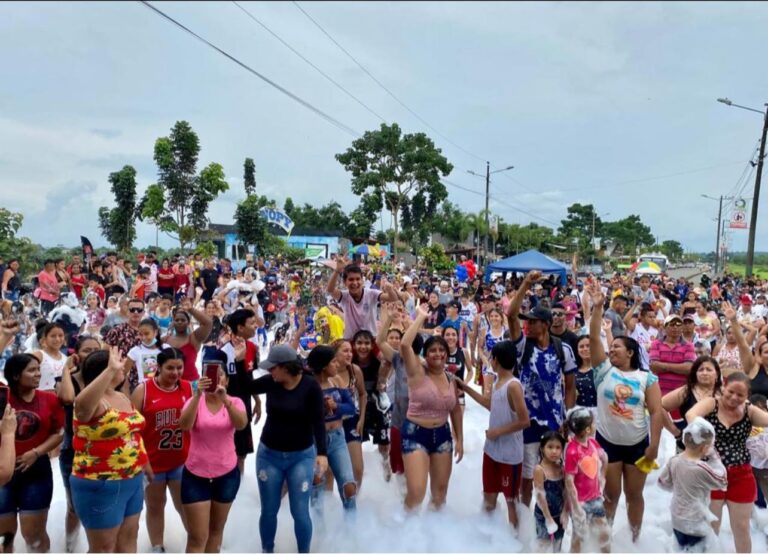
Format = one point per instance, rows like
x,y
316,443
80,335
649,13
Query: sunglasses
x,y
558,314
676,324
136,310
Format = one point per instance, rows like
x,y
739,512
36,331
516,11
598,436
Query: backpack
x,y
530,345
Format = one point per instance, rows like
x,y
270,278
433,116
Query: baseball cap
x,y
280,354
670,318
537,314
689,317
745,299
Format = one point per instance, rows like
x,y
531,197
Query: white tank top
x,y
507,449
50,368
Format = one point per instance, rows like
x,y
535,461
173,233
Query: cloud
x,y
107,133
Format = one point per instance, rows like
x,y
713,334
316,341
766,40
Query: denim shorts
x,y
170,475
222,489
594,508
104,504
28,492
66,459
432,441
350,429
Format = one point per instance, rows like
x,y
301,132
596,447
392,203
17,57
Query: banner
x,y
277,217
739,214
314,251
87,250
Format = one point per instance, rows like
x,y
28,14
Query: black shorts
x,y
621,453
376,423
244,437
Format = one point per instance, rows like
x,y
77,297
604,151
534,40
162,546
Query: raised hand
x,y
533,276
728,311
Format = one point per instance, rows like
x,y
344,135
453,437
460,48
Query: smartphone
x,y
212,372
3,399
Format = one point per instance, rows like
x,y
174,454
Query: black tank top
x,y
371,374
759,384
456,364
731,442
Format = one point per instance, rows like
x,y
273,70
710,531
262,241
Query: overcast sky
x,y
604,103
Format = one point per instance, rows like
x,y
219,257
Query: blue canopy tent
x,y
525,262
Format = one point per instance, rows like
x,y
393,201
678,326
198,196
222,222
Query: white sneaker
x,y
159,549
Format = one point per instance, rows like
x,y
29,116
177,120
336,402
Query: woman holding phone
x,y
160,400
211,477
30,490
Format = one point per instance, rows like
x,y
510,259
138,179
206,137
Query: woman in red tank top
x,y
186,340
160,400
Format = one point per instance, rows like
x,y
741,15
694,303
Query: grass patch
x,y
740,269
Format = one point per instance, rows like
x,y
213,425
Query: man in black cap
x,y
547,369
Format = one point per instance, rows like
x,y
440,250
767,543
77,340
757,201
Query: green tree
x,y
630,233
672,249
289,208
401,170
452,223
186,195
252,228
249,176
10,223
435,258
118,225
516,238
578,225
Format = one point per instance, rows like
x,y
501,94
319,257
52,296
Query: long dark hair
x,y
631,344
156,328
94,365
14,367
693,379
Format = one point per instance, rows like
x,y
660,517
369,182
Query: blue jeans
x,y
297,469
341,466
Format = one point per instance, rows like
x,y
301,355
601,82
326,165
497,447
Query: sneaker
x,y
160,549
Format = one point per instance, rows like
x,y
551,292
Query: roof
x,y
528,261
225,229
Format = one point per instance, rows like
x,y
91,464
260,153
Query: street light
x,y
488,174
758,179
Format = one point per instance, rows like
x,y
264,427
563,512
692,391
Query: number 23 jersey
x,y
167,445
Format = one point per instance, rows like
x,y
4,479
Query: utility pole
x,y
487,176
756,199
719,223
487,194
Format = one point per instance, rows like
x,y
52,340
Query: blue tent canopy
x,y
528,261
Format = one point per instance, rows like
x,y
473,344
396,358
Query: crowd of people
x,y
145,383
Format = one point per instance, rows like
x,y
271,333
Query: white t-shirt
x,y
645,337
359,315
621,403
145,360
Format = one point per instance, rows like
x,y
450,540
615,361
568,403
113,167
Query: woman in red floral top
x,y
110,459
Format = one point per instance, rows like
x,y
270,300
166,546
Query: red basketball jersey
x,y
167,445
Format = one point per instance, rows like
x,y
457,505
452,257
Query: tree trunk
x,y
396,217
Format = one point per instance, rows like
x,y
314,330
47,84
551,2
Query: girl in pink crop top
x,y
425,401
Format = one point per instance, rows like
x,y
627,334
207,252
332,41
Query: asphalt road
x,y
690,273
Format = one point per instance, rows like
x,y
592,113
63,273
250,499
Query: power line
x,y
502,202
330,119
383,87
312,65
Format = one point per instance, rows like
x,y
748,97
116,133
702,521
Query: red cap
x,y
746,299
